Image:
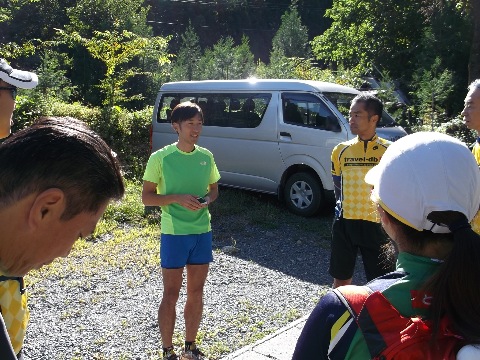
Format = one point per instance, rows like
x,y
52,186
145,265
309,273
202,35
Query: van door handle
x,y
283,133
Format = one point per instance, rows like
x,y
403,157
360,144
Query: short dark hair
x,y
373,105
63,153
184,111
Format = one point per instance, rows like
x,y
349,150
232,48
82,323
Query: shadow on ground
x,y
281,241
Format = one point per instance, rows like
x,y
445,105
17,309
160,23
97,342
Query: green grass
x,y
127,239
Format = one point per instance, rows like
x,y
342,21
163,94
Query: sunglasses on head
x,y
13,90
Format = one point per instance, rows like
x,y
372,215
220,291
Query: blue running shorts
x,y
176,251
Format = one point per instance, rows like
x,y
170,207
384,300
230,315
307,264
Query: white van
x,y
271,136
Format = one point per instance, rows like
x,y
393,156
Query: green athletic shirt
x,y
178,172
351,160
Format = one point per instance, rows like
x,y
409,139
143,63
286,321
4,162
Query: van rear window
x,y
240,110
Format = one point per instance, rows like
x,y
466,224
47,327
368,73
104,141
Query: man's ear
x,y
48,205
175,127
375,118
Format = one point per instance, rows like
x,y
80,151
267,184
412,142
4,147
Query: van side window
x,y
308,110
240,110
343,102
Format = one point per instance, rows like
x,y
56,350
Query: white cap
x,y
17,78
425,172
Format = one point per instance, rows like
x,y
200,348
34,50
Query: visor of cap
x,y
19,78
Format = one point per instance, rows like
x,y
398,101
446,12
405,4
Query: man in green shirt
x,y
182,179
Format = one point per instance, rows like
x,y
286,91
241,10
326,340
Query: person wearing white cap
x,y
13,299
10,80
427,190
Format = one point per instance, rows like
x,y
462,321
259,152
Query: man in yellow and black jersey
x,y
471,116
356,226
13,299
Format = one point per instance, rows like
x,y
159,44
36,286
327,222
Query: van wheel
x,y
303,194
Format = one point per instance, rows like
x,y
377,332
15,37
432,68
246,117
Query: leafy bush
x,y
28,107
127,133
456,128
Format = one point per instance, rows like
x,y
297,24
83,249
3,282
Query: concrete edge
x,y
265,339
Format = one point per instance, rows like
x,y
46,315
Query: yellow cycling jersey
x,y
351,160
476,151
13,306
476,220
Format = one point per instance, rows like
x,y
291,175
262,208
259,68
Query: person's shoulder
x,y
167,149
384,282
331,304
345,144
383,141
204,150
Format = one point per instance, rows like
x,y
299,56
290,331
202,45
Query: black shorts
x,y
349,236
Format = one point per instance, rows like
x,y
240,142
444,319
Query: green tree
x,y
435,87
471,10
186,64
87,16
116,49
243,60
444,45
227,61
291,39
90,17
279,67
366,32
12,44
474,65
54,82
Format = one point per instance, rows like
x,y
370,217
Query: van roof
x,y
257,85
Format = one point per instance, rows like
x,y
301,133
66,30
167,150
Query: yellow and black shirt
x,y
476,153
350,162
13,307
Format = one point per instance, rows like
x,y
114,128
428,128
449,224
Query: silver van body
x,y
271,136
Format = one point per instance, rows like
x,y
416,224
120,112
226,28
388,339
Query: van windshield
x,y
343,100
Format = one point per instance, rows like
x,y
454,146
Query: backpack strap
x,y
368,314
353,297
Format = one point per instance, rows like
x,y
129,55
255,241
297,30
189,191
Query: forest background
x,y
103,61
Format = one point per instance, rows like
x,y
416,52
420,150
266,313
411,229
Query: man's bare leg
x,y
196,277
172,282
338,282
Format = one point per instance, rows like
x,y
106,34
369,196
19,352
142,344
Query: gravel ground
x,y
272,278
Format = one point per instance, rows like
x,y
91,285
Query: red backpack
x,y
389,335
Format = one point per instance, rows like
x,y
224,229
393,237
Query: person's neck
x,y
366,137
185,147
433,250
14,228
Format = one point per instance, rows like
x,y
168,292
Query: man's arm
x,y
151,198
337,186
212,193
6,350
